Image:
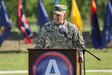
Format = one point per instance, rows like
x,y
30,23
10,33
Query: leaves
x,y
30,7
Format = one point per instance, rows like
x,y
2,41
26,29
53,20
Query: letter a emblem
x,y
52,65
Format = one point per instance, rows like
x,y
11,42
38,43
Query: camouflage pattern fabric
x,y
49,37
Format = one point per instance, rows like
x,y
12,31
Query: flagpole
x,y
18,31
19,43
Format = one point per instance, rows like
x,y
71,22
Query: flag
x,y
56,2
95,31
23,24
107,29
41,14
4,22
75,17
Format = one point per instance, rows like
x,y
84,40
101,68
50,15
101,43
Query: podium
x,y
53,62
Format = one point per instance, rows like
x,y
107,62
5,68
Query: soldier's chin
x,y
57,23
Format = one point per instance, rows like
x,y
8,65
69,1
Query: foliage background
x,y
30,9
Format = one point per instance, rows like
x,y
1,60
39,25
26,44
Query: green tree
x,y
30,8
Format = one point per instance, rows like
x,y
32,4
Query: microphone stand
x,y
84,50
64,31
84,67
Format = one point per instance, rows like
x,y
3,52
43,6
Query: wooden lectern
x,y
54,62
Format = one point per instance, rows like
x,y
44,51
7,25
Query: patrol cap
x,y
59,9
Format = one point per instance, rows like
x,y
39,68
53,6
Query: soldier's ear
x,y
64,15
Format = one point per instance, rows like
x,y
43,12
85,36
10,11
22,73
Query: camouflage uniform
x,y
50,37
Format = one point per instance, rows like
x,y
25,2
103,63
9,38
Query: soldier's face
x,y
58,19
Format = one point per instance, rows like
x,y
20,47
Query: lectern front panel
x,y
52,62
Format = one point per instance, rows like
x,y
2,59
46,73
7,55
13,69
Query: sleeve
x,y
78,38
40,41
78,43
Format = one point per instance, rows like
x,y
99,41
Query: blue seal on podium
x,y
52,63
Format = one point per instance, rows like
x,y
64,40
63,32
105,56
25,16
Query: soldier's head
x,y
59,14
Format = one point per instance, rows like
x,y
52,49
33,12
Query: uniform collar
x,y
65,23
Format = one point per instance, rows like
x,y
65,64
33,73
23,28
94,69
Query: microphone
x,y
63,30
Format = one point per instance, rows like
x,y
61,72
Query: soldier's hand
x,y
80,59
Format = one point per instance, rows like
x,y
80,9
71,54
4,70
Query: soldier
x,y
50,36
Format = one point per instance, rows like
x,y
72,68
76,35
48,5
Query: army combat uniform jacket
x,y
50,37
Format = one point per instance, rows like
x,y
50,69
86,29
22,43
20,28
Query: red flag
x,y
23,24
95,30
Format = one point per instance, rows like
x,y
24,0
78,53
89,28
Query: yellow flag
x,y
75,17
